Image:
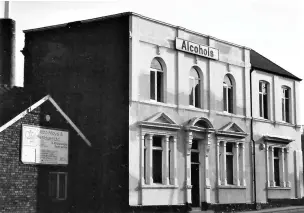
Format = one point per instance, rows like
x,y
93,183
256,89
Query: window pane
x,y
260,86
229,147
286,93
156,65
265,106
157,141
152,85
227,80
276,152
194,157
194,144
157,166
52,185
225,98
197,92
230,100
261,104
62,186
145,167
287,110
277,172
283,109
159,86
169,165
191,91
229,169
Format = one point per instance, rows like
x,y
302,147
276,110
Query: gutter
x,y
253,142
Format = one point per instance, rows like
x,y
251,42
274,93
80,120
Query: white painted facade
x,y
180,123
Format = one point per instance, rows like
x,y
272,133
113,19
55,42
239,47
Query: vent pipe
x,y
7,48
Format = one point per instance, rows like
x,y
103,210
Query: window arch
x,y
156,81
194,88
228,93
264,99
286,100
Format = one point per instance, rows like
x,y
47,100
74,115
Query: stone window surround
x,y
146,136
282,143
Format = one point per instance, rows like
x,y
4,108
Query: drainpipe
x,y
253,143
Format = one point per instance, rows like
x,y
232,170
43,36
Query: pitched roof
x,y
262,63
16,102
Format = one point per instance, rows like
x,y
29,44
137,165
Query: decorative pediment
x,y
277,139
231,130
199,124
160,120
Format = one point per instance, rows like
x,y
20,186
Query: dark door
x,y
195,192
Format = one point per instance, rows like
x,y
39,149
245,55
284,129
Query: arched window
x,y
228,94
156,81
286,104
194,88
263,99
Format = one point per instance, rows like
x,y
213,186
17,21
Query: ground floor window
x,y
58,185
277,166
159,159
231,163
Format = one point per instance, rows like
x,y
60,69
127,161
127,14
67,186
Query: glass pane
x,y
229,147
277,172
145,165
152,85
52,185
191,91
229,169
265,106
157,141
159,86
62,186
194,73
287,110
156,65
276,152
169,165
230,100
197,92
283,109
227,80
260,86
225,98
194,157
194,144
157,166
286,93
261,104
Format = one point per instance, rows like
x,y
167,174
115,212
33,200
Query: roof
x,y
16,102
264,64
128,14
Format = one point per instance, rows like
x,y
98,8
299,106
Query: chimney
x,y
7,47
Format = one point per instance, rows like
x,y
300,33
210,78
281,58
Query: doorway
x,y
195,174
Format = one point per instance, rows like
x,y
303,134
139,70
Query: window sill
x,y
230,114
159,186
151,102
278,188
284,123
192,108
231,187
264,120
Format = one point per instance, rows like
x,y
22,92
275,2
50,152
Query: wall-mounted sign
x,y
197,49
44,146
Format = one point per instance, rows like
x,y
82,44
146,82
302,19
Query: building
x,y
175,118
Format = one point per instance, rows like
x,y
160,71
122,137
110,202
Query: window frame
x,y
286,112
262,101
57,191
228,102
192,82
157,88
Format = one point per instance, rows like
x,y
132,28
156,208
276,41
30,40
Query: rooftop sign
x,y
197,49
44,146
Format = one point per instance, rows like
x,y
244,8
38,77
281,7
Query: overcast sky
x,y
274,28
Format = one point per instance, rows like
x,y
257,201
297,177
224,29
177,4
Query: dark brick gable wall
x,y
24,188
85,67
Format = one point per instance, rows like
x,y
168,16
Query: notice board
x,y
44,145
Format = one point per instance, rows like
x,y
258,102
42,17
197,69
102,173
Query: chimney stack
x,y
7,48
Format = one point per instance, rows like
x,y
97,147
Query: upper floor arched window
x,y
286,104
156,81
194,88
264,99
228,94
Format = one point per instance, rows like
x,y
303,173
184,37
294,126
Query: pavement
x,y
289,209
